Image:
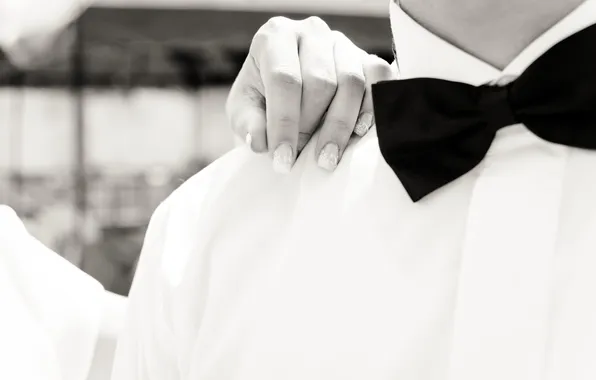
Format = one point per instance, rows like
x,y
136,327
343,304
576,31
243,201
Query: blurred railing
x,y
125,199
106,243
129,72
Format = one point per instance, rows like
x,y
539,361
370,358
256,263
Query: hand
x,y
300,75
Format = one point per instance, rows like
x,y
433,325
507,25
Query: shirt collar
x,y
421,53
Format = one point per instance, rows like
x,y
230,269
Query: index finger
x,y
279,65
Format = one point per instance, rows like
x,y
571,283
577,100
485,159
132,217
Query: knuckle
x,y
259,41
345,44
351,80
323,85
385,71
374,60
278,23
287,79
316,23
273,26
287,122
339,126
253,95
337,35
315,30
379,66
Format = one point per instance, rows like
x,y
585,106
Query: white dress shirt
x,y
247,274
50,311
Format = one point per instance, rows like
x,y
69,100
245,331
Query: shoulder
x,y
240,192
190,216
9,221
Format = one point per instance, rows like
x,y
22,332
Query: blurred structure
x,y
90,144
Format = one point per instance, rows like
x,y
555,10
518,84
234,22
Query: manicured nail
x,y
363,124
329,157
283,158
248,140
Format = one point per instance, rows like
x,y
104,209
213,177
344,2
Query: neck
x,y
495,31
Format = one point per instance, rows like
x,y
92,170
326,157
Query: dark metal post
x,y
78,72
191,67
15,148
80,180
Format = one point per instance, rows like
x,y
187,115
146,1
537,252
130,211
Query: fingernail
x,y
329,157
363,124
283,158
248,140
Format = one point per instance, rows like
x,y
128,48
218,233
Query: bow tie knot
x,y
495,105
433,131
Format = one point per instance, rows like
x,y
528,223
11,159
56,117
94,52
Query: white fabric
x,y
50,311
38,18
247,274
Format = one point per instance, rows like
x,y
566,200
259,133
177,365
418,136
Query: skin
x,y
328,75
299,76
291,75
502,29
298,71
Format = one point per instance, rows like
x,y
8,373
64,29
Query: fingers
x,y
276,55
319,80
375,70
284,88
343,112
366,116
245,107
282,79
264,102
297,74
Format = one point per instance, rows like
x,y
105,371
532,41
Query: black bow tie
x,y
433,131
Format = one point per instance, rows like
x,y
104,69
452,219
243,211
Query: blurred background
x,y
133,105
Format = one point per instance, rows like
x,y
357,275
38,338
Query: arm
x,y
33,31
171,289
50,308
83,321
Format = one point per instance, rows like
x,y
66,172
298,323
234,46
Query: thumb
x,y
375,70
245,107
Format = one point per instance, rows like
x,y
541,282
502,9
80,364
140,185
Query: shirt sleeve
x,y
37,19
171,289
52,310
146,348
